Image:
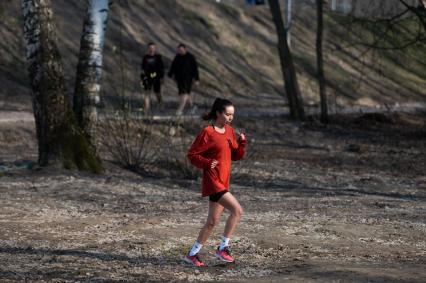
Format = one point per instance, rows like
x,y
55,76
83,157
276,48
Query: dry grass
x,y
342,202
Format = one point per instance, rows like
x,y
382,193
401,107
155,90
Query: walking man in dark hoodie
x,y
184,70
152,76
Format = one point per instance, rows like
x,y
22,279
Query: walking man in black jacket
x,y
184,70
152,76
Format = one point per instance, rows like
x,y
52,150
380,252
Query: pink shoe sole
x,y
223,259
187,260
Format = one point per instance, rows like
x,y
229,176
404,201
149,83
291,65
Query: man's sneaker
x,y
193,110
224,255
194,260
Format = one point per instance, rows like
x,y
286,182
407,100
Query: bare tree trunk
x,y
60,141
320,62
287,20
287,66
89,70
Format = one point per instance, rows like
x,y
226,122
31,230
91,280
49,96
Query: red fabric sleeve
x,y
238,152
198,147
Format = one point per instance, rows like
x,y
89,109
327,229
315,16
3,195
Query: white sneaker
x,y
193,110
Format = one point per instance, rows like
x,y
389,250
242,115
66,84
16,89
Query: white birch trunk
x,y
89,70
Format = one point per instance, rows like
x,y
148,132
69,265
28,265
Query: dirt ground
x,y
338,203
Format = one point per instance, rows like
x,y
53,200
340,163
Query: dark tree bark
x,y
320,62
287,65
61,142
89,69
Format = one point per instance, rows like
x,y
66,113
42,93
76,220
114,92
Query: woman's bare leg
x,y
213,218
231,203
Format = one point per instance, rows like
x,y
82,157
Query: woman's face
x,y
226,116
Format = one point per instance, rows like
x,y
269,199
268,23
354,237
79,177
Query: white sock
x,y
195,248
224,242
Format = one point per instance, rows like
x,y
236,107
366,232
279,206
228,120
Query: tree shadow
x,y
350,276
67,272
300,189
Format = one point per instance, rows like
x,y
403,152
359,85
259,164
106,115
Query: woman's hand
x,y
214,163
242,137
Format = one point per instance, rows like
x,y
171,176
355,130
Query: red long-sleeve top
x,y
210,145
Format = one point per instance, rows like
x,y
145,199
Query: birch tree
x,y
287,65
89,70
61,142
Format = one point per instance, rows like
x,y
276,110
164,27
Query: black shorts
x,y
184,86
155,85
216,197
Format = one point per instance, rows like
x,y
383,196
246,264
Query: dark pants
x,y
152,84
184,86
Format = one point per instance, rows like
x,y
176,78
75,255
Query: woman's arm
x,y
198,147
238,153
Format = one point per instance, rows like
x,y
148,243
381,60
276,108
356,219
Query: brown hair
x,y
219,105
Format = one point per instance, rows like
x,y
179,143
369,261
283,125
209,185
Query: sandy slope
x,y
236,49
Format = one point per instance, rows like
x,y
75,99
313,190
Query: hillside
x,y
236,49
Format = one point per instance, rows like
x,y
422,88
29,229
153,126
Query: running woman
x,y
212,151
